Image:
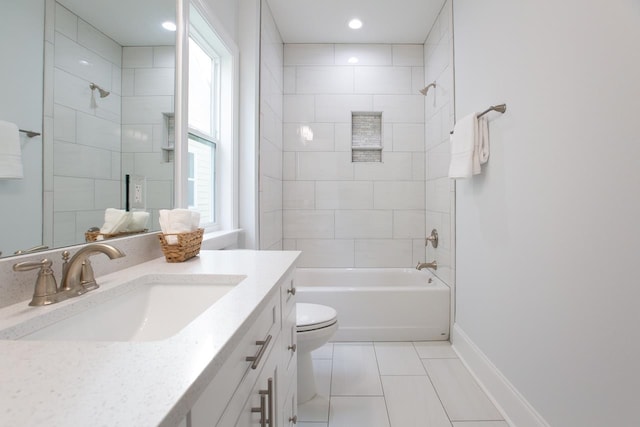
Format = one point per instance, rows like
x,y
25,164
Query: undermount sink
x,y
151,308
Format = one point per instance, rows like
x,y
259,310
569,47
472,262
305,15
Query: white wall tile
x,y
137,138
438,195
324,80
69,56
308,224
325,253
152,166
400,108
408,224
72,194
81,161
344,195
116,79
48,79
298,195
128,81
417,79
342,139
64,123
439,158
164,56
308,54
96,132
367,54
394,166
289,166
137,57
289,80
419,166
296,137
64,229
99,43
324,166
399,195
381,80
408,137
364,224
49,21
107,194
47,154
271,198
154,81
270,159
66,22
338,108
384,253
145,109
116,168
408,54
71,91
299,109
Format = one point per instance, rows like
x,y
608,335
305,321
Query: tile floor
x,y
395,384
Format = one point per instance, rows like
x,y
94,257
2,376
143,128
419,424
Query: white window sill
x,y
220,239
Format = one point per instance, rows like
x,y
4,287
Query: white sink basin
x,y
151,308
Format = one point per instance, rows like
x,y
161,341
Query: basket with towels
x,y
118,223
181,237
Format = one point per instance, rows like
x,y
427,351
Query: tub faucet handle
x,y
433,265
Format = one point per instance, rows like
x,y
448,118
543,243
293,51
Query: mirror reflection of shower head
x,y
425,89
103,93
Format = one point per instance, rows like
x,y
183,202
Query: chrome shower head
x,y
103,93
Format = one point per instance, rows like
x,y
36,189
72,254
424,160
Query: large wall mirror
x,y
96,78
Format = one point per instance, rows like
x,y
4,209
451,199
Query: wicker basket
x,y
187,247
92,236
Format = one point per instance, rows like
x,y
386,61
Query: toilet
x,y
315,325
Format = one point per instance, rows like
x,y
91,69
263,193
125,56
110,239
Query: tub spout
x,y
433,265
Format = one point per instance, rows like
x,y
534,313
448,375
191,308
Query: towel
x,y
10,151
115,221
138,221
481,145
178,221
463,141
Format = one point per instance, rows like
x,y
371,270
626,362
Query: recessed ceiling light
x,y
169,26
353,60
355,24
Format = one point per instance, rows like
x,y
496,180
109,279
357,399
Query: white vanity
x,y
225,357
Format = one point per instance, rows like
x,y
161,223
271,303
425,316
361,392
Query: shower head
x,y
103,93
425,89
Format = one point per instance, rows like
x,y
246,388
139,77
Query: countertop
x,y
65,383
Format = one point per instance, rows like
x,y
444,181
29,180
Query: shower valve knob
x,y
433,238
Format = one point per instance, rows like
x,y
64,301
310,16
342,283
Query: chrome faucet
x,y
78,275
433,265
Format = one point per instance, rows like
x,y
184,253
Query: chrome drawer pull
x,y
262,411
291,290
269,393
293,348
293,419
256,359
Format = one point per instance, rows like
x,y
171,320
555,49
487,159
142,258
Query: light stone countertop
x,y
143,383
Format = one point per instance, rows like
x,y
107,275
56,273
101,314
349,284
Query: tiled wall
x,y
439,108
271,60
82,160
344,214
147,96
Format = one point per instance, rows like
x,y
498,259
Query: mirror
x,y
104,108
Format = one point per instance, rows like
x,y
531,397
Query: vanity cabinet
x,y
260,392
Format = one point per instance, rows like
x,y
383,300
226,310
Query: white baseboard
x,y
513,406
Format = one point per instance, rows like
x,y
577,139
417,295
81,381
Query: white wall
x,y
21,82
439,120
547,238
344,214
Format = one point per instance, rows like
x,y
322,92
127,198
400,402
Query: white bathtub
x,y
379,304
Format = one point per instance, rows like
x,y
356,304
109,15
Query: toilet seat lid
x,y
314,316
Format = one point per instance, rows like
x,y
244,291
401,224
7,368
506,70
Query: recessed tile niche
x,y
366,137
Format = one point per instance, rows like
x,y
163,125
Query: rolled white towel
x,y
178,221
115,221
138,221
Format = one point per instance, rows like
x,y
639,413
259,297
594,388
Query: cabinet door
x,y
289,415
261,408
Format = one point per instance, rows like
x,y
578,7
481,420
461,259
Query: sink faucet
x,y
433,264
77,277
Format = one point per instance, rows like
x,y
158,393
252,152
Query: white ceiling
x,y
128,22
325,21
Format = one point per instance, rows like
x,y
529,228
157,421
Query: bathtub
x,y
379,304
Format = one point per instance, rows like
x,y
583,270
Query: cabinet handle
x,y
269,393
256,359
262,411
293,419
291,290
293,348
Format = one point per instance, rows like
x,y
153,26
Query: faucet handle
x,y
46,289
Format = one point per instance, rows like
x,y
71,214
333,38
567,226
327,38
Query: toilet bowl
x,y
315,325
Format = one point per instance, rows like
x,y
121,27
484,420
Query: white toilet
x,y
315,325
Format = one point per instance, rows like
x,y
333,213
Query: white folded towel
x,y
10,151
115,221
178,221
138,221
462,147
481,145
